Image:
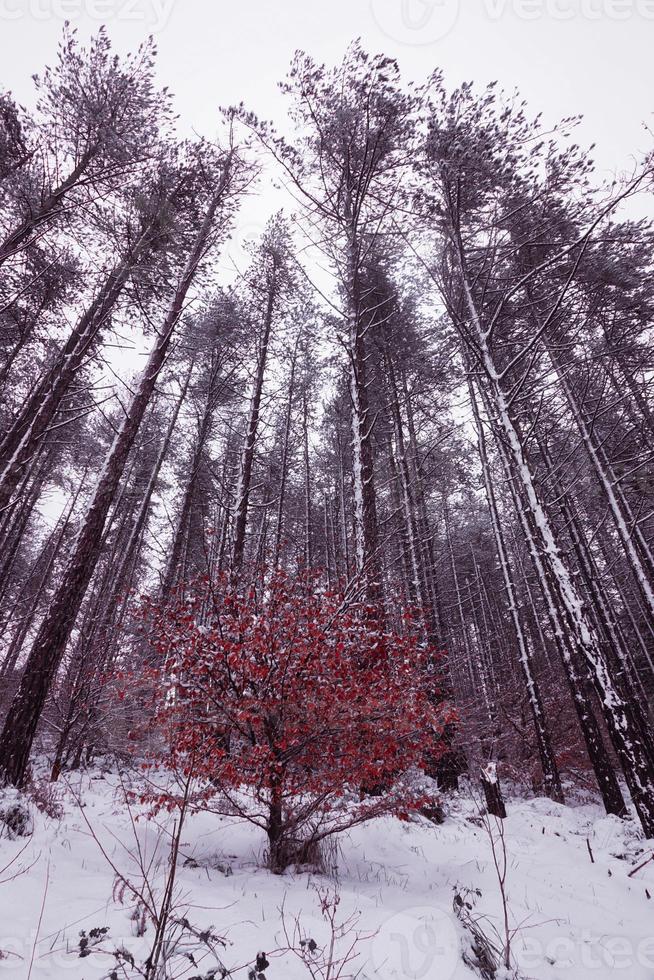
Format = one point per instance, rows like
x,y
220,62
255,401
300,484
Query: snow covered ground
x,y
573,919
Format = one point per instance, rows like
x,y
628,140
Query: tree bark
x,y
51,640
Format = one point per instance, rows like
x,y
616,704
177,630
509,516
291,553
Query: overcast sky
x,y
594,57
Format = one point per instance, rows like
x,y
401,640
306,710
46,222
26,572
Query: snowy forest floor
x,y
573,918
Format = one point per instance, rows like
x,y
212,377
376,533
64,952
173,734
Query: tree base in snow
x,y
492,792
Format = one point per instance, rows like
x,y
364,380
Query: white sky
x,y
566,56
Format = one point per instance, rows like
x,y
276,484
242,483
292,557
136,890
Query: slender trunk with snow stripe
x,y
551,779
636,547
571,657
633,757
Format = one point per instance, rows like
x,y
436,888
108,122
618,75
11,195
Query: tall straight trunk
x,y
416,554
188,513
47,559
480,642
51,640
426,535
572,657
636,548
20,518
499,639
599,601
328,532
624,379
29,428
140,522
229,479
551,778
308,533
92,654
175,563
261,544
400,539
25,335
620,722
283,475
366,552
342,510
17,515
637,632
99,649
576,673
365,506
477,669
243,487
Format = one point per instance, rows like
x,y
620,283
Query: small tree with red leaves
x,y
284,703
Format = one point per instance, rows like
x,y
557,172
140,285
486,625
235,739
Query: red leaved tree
x,y
285,704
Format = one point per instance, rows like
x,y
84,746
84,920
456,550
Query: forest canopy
x,y
426,394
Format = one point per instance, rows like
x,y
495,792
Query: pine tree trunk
x,y
635,546
283,475
492,792
247,455
53,635
619,718
551,778
571,657
33,422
